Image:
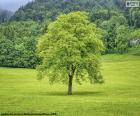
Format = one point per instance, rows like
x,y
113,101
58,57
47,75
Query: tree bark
x,y
70,85
71,74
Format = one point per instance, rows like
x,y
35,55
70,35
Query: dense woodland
x,y
120,27
5,15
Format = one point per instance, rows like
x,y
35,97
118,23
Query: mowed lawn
x,y
21,92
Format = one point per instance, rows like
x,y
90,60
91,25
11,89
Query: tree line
x,y
118,25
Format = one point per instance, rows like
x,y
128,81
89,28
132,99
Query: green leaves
x,y
122,39
18,44
70,40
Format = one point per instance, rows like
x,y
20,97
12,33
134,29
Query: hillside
x,y
49,9
110,16
5,15
40,10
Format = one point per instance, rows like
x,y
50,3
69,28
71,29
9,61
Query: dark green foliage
x,y
5,15
18,44
122,39
135,42
111,27
18,35
49,9
107,14
134,17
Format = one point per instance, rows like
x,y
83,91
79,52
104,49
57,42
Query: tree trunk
x,y
70,85
71,74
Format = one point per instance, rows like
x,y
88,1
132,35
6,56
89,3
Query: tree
x,y
18,44
70,48
135,17
5,15
111,26
122,39
135,34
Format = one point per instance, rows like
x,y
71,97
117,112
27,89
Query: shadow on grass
x,y
75,93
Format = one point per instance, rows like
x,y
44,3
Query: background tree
x,y
110,26
122,39
135,42
22,28
18,44
135,34
71,48
134,17
5,15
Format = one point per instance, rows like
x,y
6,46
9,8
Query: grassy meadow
x,y
21,92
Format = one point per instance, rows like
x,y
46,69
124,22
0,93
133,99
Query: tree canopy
x,y
71,48
5,15
18,44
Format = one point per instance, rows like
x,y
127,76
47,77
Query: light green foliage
x,y
135,34
135,47
71,46
20,92
122,39
118,20
135,50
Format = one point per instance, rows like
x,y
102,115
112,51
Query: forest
x,y
20,31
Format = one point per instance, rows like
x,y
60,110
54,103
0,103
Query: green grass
x,y
20,92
